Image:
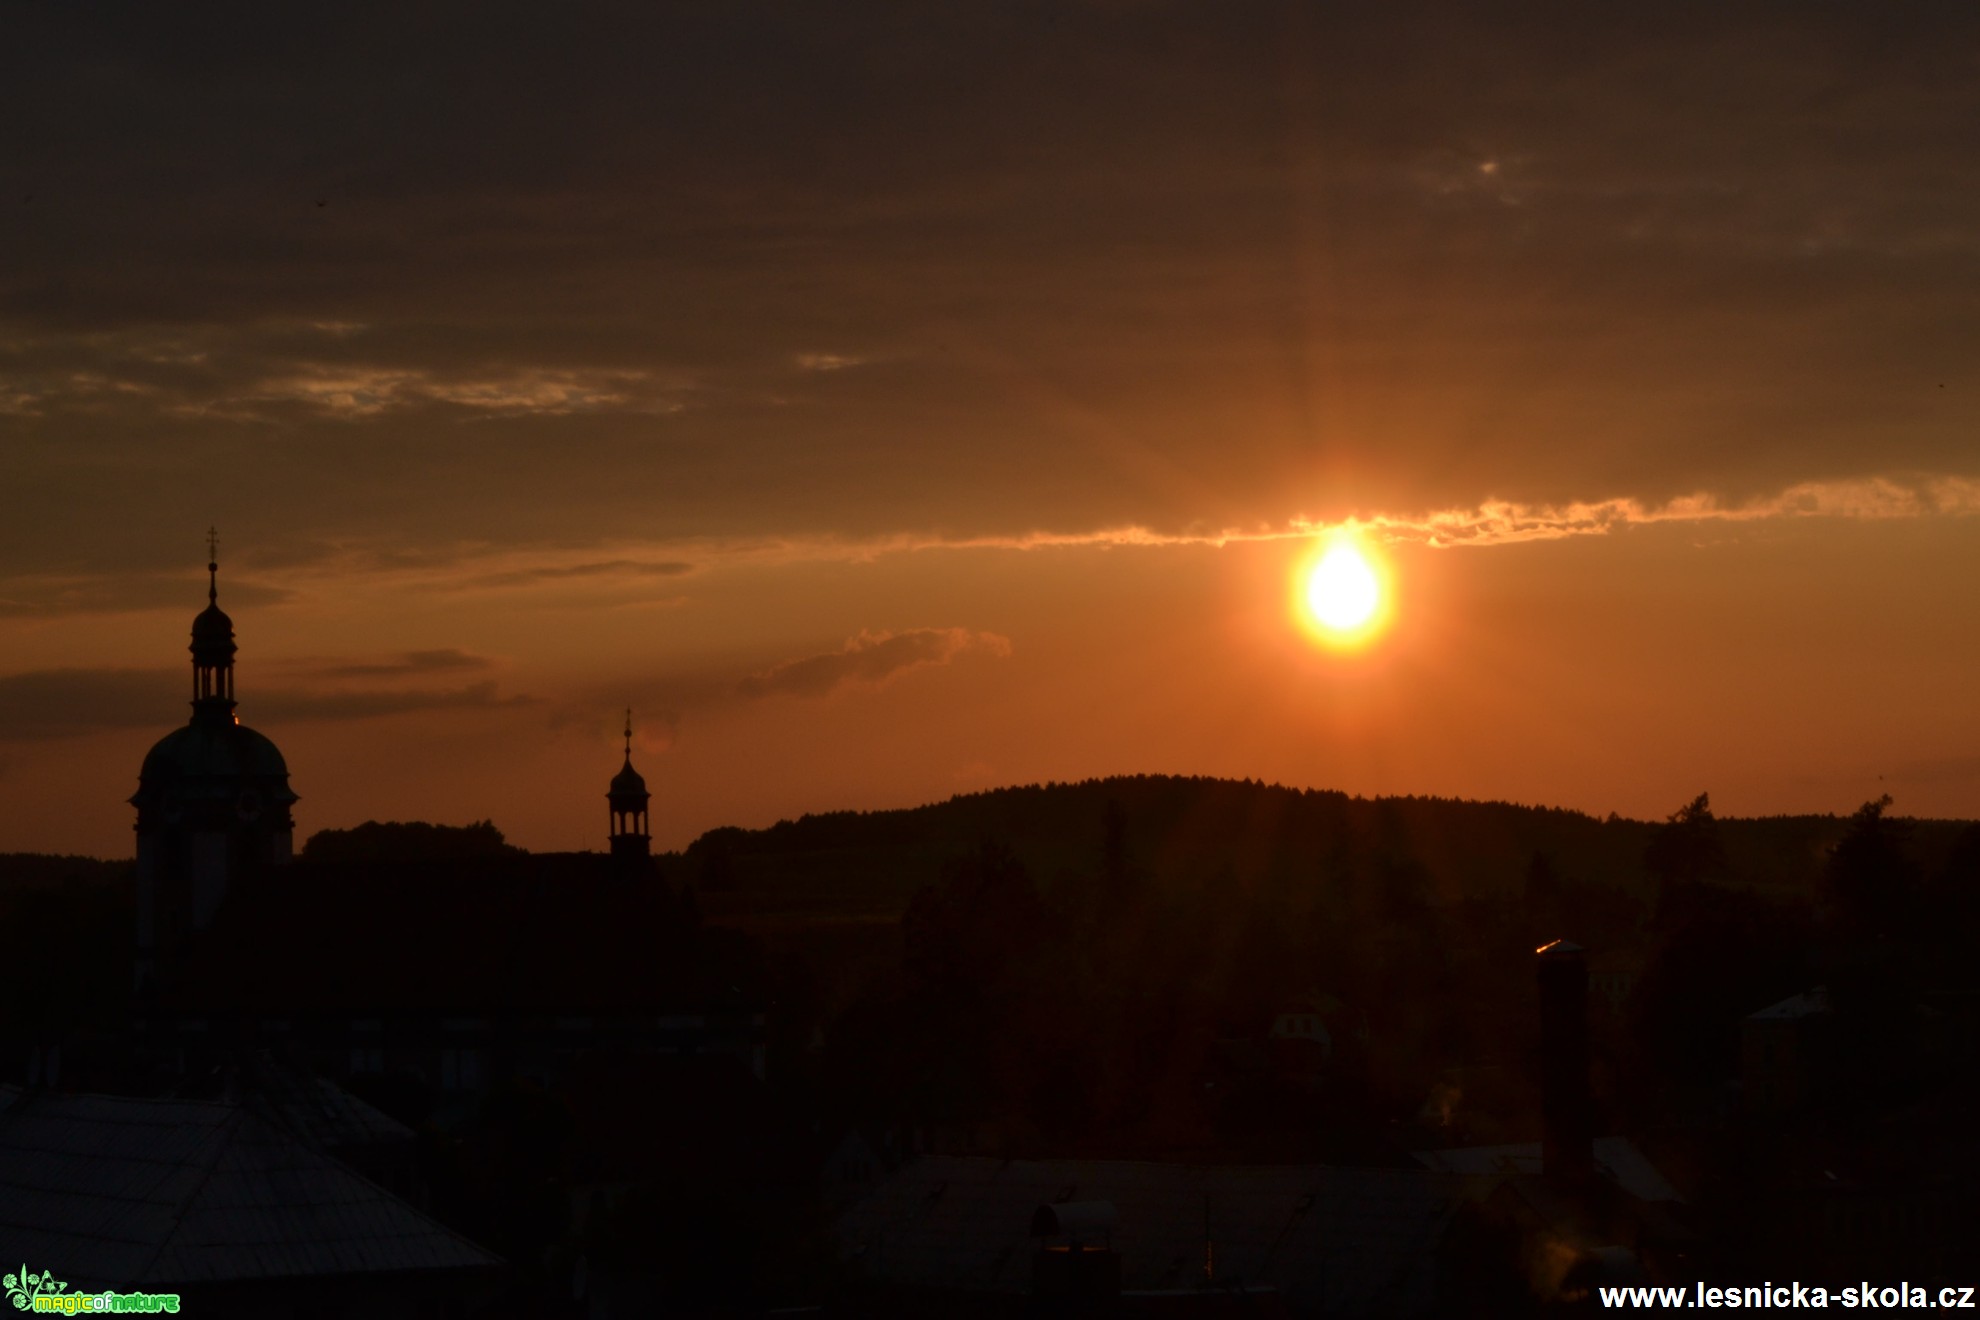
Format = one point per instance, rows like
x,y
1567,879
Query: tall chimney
x,y
1567,1122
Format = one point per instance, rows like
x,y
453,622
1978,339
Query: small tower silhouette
x,y
213,648
627,799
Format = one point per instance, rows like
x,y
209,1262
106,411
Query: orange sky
x,y
895,405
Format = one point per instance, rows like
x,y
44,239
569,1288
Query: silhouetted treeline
x,y
20,871
1264,836
407,841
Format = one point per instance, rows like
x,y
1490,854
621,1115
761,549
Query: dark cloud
x,y
61,703
565,572
579,273
121,593
300,705
871,657
448,660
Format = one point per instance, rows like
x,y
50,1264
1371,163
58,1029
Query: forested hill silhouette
x,y
1186,832
26,871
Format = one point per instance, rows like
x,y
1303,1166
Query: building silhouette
x,y
213,802
458,974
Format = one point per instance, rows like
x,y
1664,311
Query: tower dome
x,y
628,785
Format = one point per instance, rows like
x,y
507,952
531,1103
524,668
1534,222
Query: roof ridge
x,y
28,1093
222,1136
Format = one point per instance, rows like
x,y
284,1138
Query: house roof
x,y
1809,1003
1327,1239
121,1192
1617,1157
323,1115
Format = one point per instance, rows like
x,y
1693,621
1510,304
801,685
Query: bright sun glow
x,y
1344,593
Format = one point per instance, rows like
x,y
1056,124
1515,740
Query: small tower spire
x,y
212,566
629,735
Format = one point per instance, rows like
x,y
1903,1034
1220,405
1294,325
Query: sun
x,y
1343,593
1342,590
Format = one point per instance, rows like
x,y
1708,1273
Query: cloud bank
x,y
751,271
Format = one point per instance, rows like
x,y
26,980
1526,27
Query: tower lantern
x,y
213,647
627,800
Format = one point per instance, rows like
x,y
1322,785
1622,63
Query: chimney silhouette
x,y
1567,1121
1075,1271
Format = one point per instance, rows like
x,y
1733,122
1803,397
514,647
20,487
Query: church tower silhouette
x,y
627,799
213,800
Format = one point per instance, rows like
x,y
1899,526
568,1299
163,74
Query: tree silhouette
x,y
1733,956
1684,854
1871,876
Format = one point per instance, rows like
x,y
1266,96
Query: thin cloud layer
x,y
443,661
61,703
623,572
870,658
611,568
57,595
366,393
292,704
1508,522
288,373
1499,522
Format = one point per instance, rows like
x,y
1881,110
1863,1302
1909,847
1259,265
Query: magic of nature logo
x,y
45,1294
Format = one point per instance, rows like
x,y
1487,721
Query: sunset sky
x,y
889,401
